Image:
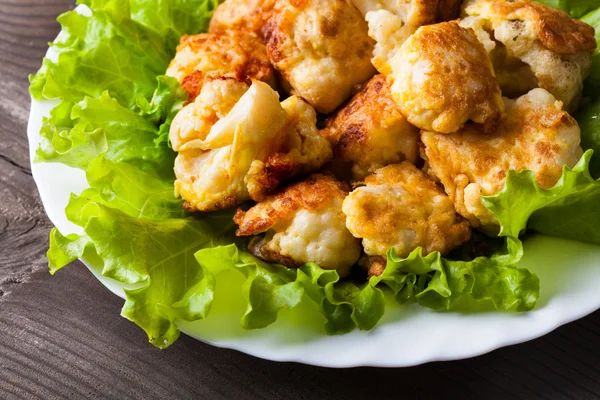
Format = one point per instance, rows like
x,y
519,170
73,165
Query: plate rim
x,y
39,109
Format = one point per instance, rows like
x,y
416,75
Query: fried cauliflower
x,y
533,45
389,32
241,15
391,22
401,208
215,100
537,135
370,132
210,56
304,151
303,223
218,139
442,77
321,48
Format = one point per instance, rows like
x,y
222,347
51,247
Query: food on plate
x,y
400,208
275,124
533,45
370,132
441,78
392,22
304,150
212,164
538,135
214,101
213,55
236,142
241,16
302,223
321,48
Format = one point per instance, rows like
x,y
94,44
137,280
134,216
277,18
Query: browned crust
x,y
526,140
554,28
258,247
277,168
408,175
225,204
348,125
481,103
313,193
192,84
244,52
355,130
241,15
441,230
373,265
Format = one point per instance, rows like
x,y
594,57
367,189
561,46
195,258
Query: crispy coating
x,y
442,77
391,22
304,151
370,132
321,48
241,15
401,208
303,223
537,135
210,55
217,146
555,30
373,265
533,45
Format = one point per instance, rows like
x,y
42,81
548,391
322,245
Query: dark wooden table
x,y
62,336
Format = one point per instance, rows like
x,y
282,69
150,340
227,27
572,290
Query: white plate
x,y
569,273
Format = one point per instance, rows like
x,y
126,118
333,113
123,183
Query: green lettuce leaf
x,y
270,288
158,255
125,187
120,48
592,83
168,99
589,122
575,8
439,283
567,210
76,134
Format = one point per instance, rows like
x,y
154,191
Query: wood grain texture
x,y
62,336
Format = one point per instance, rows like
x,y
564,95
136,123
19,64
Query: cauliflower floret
x,y
391,22
217,150
304,151
209,56
401,208
389,32
241,15
303,223
321,47
533,45
537,135
216,99
414,13
370,132
442,77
